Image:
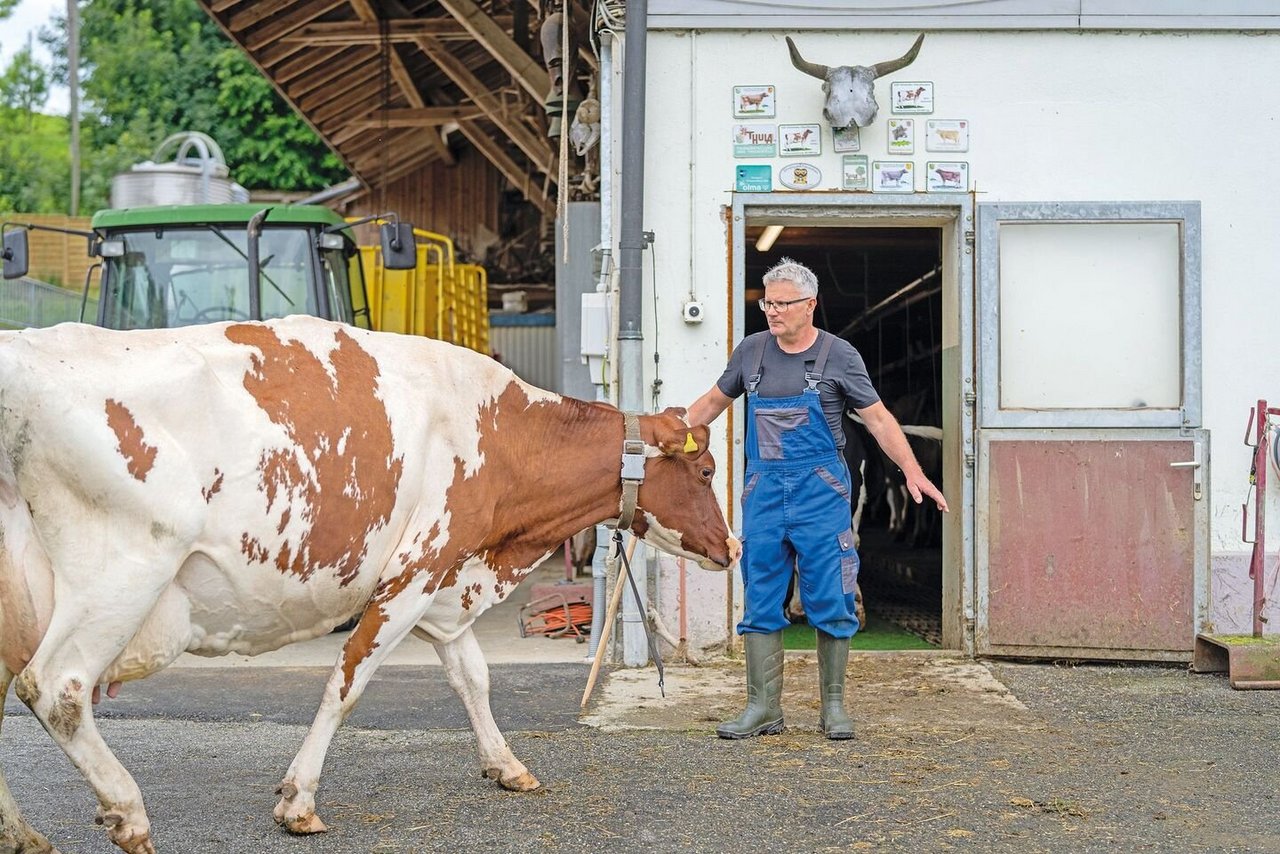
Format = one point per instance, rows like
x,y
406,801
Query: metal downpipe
x,y
631,246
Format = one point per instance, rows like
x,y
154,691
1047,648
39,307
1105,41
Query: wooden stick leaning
x,y
609,616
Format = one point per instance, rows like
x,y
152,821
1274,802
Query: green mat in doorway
x,y
876,634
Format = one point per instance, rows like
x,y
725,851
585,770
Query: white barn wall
x,y
1056,116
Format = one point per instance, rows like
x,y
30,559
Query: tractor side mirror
x,y
15,253
399,252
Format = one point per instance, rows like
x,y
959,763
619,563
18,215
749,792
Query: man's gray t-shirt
x,y
844,380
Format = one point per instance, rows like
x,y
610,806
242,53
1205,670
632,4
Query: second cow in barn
x,y
234,488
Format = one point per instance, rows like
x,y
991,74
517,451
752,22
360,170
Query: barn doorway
x,y
890,274
881,290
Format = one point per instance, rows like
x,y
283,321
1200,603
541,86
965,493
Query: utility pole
x,y
73,83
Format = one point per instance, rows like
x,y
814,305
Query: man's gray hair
x,y
798,274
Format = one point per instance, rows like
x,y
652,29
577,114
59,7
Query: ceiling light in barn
x,y
768,237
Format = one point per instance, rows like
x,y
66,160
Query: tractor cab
x,y
163,267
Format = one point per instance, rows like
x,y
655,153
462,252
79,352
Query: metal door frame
x,y
954,214
996,424
990,216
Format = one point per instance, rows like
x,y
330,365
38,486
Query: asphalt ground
x,y
952,754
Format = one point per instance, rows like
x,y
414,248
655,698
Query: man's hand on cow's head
x,y
693,442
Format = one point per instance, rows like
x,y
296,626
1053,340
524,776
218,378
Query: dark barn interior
x,y
881,289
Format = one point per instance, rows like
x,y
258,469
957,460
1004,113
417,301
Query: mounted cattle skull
x,y
850,89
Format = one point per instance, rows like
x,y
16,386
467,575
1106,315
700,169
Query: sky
x,y
28,17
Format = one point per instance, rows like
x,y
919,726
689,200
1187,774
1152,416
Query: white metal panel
x,y
530,351
1090,315
965,14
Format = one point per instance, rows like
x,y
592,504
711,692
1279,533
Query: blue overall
x,y
795,510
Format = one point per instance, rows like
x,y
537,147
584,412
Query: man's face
x,y
790,320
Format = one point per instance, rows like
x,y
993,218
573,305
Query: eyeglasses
x,y
779,304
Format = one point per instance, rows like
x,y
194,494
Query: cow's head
x,y
850,89
677,510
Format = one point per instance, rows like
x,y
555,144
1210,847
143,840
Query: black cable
x,y
644,611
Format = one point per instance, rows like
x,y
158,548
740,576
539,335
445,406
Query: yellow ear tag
x,y
689,445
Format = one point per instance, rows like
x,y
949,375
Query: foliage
x,y
24,85
151,68
269,147
35,171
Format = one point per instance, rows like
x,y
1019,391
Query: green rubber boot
x,y
833,658
763,715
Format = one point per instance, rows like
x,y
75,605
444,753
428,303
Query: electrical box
x,y
596,324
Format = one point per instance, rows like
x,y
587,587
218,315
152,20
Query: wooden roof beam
x,y
524,69
297,67
340,110
519,178
276,53
280,25
537,149
365,12
353,64
417,117
353,87
370,32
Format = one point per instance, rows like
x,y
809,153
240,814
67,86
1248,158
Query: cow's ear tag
x,y
689,445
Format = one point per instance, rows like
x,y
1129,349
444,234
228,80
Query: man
x,y
799,380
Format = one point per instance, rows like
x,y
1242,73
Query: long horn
x,y
883,68
813,69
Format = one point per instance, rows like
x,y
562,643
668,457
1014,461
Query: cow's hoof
x,y
132,841
296,810
520,782
302,825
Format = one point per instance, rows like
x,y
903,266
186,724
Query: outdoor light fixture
x,y
768,237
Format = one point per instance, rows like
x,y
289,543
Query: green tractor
x,y
180,265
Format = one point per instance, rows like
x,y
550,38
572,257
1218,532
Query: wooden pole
x,y
73,83
609,616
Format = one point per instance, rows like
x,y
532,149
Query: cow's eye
x,y
707,473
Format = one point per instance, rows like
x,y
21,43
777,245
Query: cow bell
x,y
850,89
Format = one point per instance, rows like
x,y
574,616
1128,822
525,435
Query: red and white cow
x,y
234,488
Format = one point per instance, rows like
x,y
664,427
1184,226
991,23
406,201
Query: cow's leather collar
x,y
632,468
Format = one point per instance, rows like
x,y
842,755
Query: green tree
x,y
35,168
24,84
151,68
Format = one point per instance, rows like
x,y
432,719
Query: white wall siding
x,y
1055,116
794,15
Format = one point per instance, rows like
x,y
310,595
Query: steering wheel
x,y
226,312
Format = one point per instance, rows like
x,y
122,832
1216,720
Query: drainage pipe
x,y
599,567
635,651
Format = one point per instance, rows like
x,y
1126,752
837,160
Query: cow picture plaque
x,y
800,176
893,176
755,140
846,139
753,102
854,172
946,135
914,97
945,176
754,178
798,140
902,136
